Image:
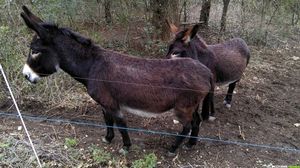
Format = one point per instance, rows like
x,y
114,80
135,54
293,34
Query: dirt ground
x,y
265,110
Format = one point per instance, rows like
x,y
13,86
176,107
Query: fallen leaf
x,y
295,58
20,128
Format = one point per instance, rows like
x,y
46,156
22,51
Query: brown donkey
x,y
119,82
227,61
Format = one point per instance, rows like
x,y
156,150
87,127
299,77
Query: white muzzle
x,y
30,75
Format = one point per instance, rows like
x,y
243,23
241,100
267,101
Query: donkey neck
x,y
204,54
76,60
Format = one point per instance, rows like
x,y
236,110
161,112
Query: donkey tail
x,y
245,49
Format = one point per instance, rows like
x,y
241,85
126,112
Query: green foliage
x,y
100,156
294,166
4,145
11,57
149,161
70,142
74,153
96,37
269,22
15,38
1,157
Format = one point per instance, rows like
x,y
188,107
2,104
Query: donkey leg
x,y
212,107
205,108
110,131
228,97
179,139
123,130
195,129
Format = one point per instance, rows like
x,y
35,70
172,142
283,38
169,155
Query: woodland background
x,y
139,28
265,106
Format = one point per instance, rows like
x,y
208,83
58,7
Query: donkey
x,y
227,61
119,82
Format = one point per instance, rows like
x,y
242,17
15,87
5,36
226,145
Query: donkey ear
x,y
195,30
190,33
32,24
31,15
174,29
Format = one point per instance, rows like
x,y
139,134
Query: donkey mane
x,y
49,25
68,32
76,36
201,42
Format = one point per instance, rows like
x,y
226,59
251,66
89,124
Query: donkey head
x,y
48,46
42,59
182,45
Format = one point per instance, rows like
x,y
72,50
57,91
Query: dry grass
x,y
52,149
61,91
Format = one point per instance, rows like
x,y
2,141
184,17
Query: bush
x,y
149,161
100,156
70,142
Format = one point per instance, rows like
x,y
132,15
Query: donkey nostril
x,y
26,76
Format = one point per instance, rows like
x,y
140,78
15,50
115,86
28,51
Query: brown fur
x,y
117,80
227,61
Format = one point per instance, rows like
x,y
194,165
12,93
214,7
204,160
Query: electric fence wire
x,y
20,115
207,139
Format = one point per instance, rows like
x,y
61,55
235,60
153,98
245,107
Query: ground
x,y
265,110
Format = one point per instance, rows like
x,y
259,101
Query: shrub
x,y
149,161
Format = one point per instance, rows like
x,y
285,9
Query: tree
x,y
107,6
161,11
204,14
224,15
295,8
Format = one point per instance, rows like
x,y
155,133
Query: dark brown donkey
x,y
227,61
119,82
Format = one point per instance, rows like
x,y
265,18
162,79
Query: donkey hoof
x,y
228,106
123,151
171,154
212,118
104,140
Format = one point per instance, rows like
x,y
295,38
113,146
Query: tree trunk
x,y
205,9
243,15
295,13
265,5
224,15
162,10
184,11
107,6
173,11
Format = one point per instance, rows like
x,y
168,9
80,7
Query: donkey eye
x,y
34,52
175,54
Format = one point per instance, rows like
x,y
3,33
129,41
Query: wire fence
x,y
132,83
20,115
162,133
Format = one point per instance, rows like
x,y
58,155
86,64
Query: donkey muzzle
x,y
30,75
